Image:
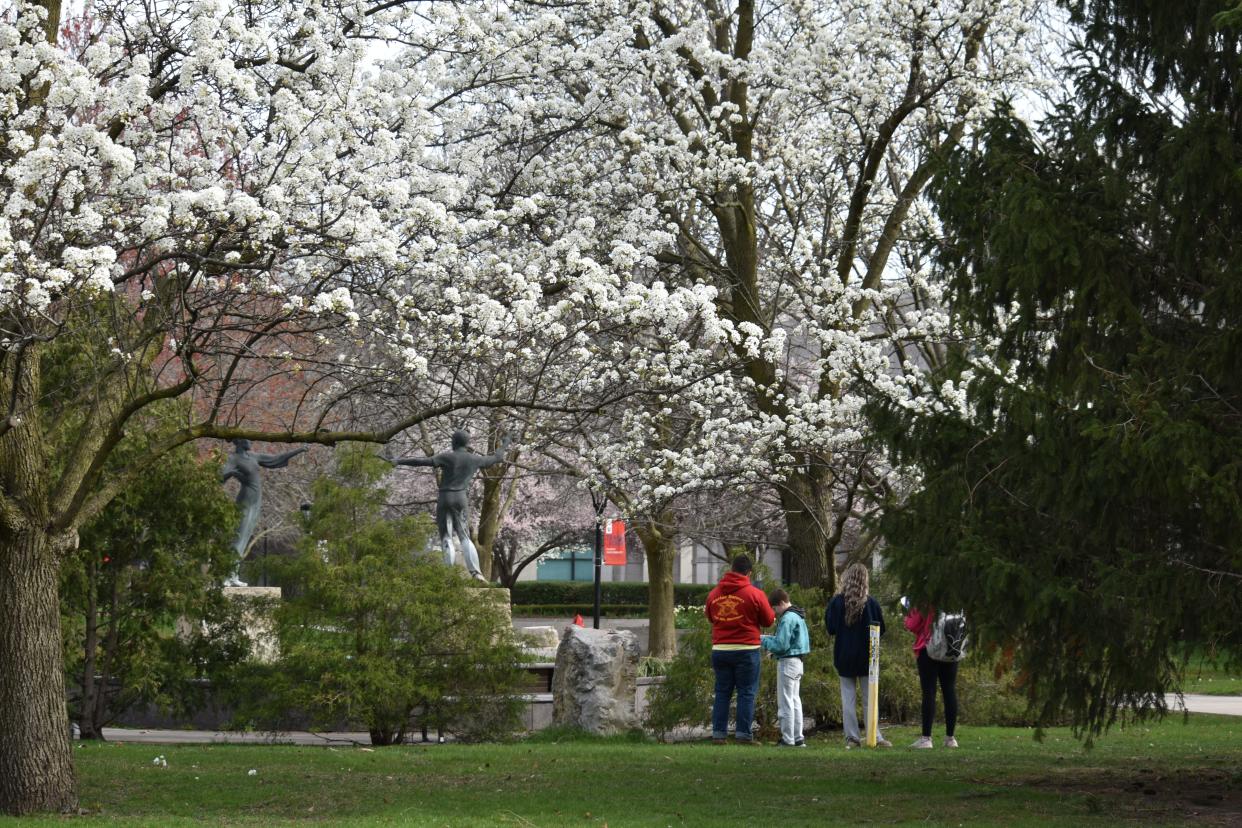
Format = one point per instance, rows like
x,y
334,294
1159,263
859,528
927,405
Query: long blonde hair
x,y
854,583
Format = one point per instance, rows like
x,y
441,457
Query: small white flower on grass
x,y
252,772
160,761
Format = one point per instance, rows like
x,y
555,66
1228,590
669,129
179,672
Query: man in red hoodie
x,y
736,610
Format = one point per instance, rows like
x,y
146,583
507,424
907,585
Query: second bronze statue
x,y
243,464
457,467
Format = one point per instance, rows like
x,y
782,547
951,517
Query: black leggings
x,y
946,671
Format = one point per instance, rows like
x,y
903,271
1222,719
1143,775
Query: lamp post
x,y
599,499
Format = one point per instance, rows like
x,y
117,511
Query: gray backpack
x,y
949,638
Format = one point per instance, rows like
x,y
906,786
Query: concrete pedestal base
x,y
497,597
258,603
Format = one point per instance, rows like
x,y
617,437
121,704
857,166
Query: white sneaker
x,y
950,742
923,743
478,576
882,742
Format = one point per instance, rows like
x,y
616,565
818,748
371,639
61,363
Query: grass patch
x,y
1173,772
1214,686
560,734
1212,676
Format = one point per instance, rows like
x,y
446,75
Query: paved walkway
x,y
1223,705
209,737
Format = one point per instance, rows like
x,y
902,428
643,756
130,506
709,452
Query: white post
x,y
873,687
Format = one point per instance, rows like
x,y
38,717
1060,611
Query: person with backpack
x,y
789,644
849,617
923,624
736,610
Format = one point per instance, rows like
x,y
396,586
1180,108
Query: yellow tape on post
x,y
873,687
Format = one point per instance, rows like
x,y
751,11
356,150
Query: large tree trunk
x,y
36,760
657,538
502,560
490,512
384,735
806,499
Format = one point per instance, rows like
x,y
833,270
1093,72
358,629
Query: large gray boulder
x,y
596,677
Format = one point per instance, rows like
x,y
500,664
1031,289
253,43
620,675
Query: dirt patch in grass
x,y
1199,796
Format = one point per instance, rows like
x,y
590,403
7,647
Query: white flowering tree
x,y
303,215
544,510
235,203
770,160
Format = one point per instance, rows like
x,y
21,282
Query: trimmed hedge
x,y
535,593
567,611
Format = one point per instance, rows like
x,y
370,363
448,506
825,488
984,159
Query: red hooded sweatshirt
x,y
737,610
921,625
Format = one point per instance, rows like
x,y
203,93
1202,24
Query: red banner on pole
x,y
614,543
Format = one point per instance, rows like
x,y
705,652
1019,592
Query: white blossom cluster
x,y
611,149
705,232
233,173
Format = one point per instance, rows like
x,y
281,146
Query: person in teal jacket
x,y
788,645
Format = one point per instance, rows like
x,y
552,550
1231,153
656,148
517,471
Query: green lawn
x,y
1214,685
1203,675
1168,773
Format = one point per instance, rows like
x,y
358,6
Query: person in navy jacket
x,y
849,617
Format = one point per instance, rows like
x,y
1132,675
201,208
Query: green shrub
x,y
985,694
546,593
685,616
684,699
142,615
649,666
379,632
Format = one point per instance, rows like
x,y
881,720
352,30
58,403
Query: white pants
x,y
788,701
850,685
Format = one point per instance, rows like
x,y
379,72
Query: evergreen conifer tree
x,y
1087,506
378,631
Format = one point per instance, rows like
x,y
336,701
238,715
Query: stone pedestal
x,y
539,643
595,681
258,603
497,597
490,602
539,638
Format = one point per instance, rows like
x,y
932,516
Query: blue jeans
x,y
735,670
